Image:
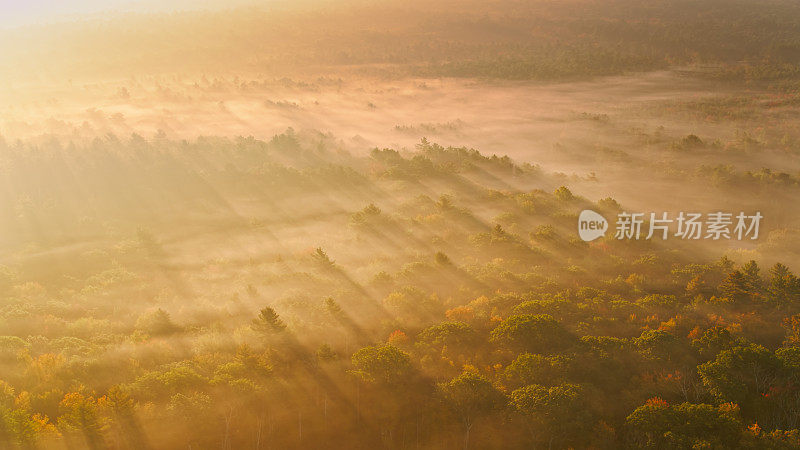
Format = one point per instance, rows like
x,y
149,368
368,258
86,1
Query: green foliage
x,y
658,344
745,375
370,216
470,396
560,413
715,340
385,365
322,259
783,285
656,424
528,369
156,323
482,336
449,334
442,259
268,322
533,333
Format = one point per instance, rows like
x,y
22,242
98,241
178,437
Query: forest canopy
x,y
326,224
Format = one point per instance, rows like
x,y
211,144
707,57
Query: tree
x,y
323,259
18,424
389,389
411,305
743,375
564,194
442,259
715,340
792,326
194,414
656,424
268,322
454,336
121,405
368,217
333,308
533,333
559,415
535,369
445,202
156,323
81,413
386,364
786,396
659,345
752,277
783,284
735,287
470,396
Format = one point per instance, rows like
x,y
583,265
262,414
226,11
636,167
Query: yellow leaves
x,y
71,400
460,314
470,369
23,400
46,429
635,280
6,392
45,367
695,285
104,402
792,326
669,325
495,369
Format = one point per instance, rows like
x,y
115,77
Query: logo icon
x,y
591,225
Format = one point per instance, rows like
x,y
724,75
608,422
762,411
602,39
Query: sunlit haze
x,y
399,224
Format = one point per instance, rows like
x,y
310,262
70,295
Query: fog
x,y
353,225
574,128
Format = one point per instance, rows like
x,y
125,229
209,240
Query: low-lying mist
x,y
356,226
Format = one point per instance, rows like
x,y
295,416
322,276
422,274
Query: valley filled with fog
x,y
355,225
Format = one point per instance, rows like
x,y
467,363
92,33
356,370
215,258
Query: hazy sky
x,y
25,12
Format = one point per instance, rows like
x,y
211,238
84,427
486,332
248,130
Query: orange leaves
x,y
398,338
460,314
657,402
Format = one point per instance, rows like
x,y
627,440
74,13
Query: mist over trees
x,y
353,225
731,40
412,320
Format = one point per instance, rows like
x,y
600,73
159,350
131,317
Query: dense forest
x,y
426,298
324,224
734,40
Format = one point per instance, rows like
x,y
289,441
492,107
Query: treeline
x,y
710,365
432,297
549,40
